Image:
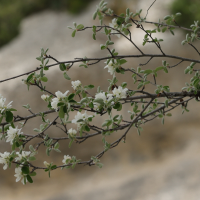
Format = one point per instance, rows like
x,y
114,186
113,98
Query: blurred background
x,y
161,164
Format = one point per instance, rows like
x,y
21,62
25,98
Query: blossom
x,y
120,92
19,175
12,133
24,154
64,161
72,132
104,97
115,26
4,159
46,164
54,103
60,95
76,84
2,104
45,97
111,67
81,119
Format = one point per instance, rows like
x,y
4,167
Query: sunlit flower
x,y
72,132
24,154
120,92
12,133
19,175
76,84
4,159
111,67
45,97
66,158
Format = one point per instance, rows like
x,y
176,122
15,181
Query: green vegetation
x,y
188,9
12,12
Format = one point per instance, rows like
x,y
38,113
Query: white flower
x,y
46,164
72,132
19,175
115,26
111,67
60,95
76,84
120,92
2,104
79,116
12,133
24,154
54,103
5,159
102,95
66,158
45,97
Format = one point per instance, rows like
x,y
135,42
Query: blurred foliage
x,y
13,11
188,9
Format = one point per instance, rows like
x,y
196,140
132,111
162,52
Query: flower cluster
x,y
66,159
5,159
22,156
120,92
72,132
2,104
45,97
115,26
59,97
81,119
19,175
76,84
105,97
111,67
12,133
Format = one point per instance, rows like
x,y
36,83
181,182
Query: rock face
x,y
161,164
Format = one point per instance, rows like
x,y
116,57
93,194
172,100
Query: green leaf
x,y
169,114
118,106
1,118
25,170
87,128
9,116
33,174
74,33
90,86
158,68
148,71
30,180
103,47
80,26
61,112
167,17
122,61
31,148
71,96
12,109
66,76
30,77
94,15
44,79
32,158
62,67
